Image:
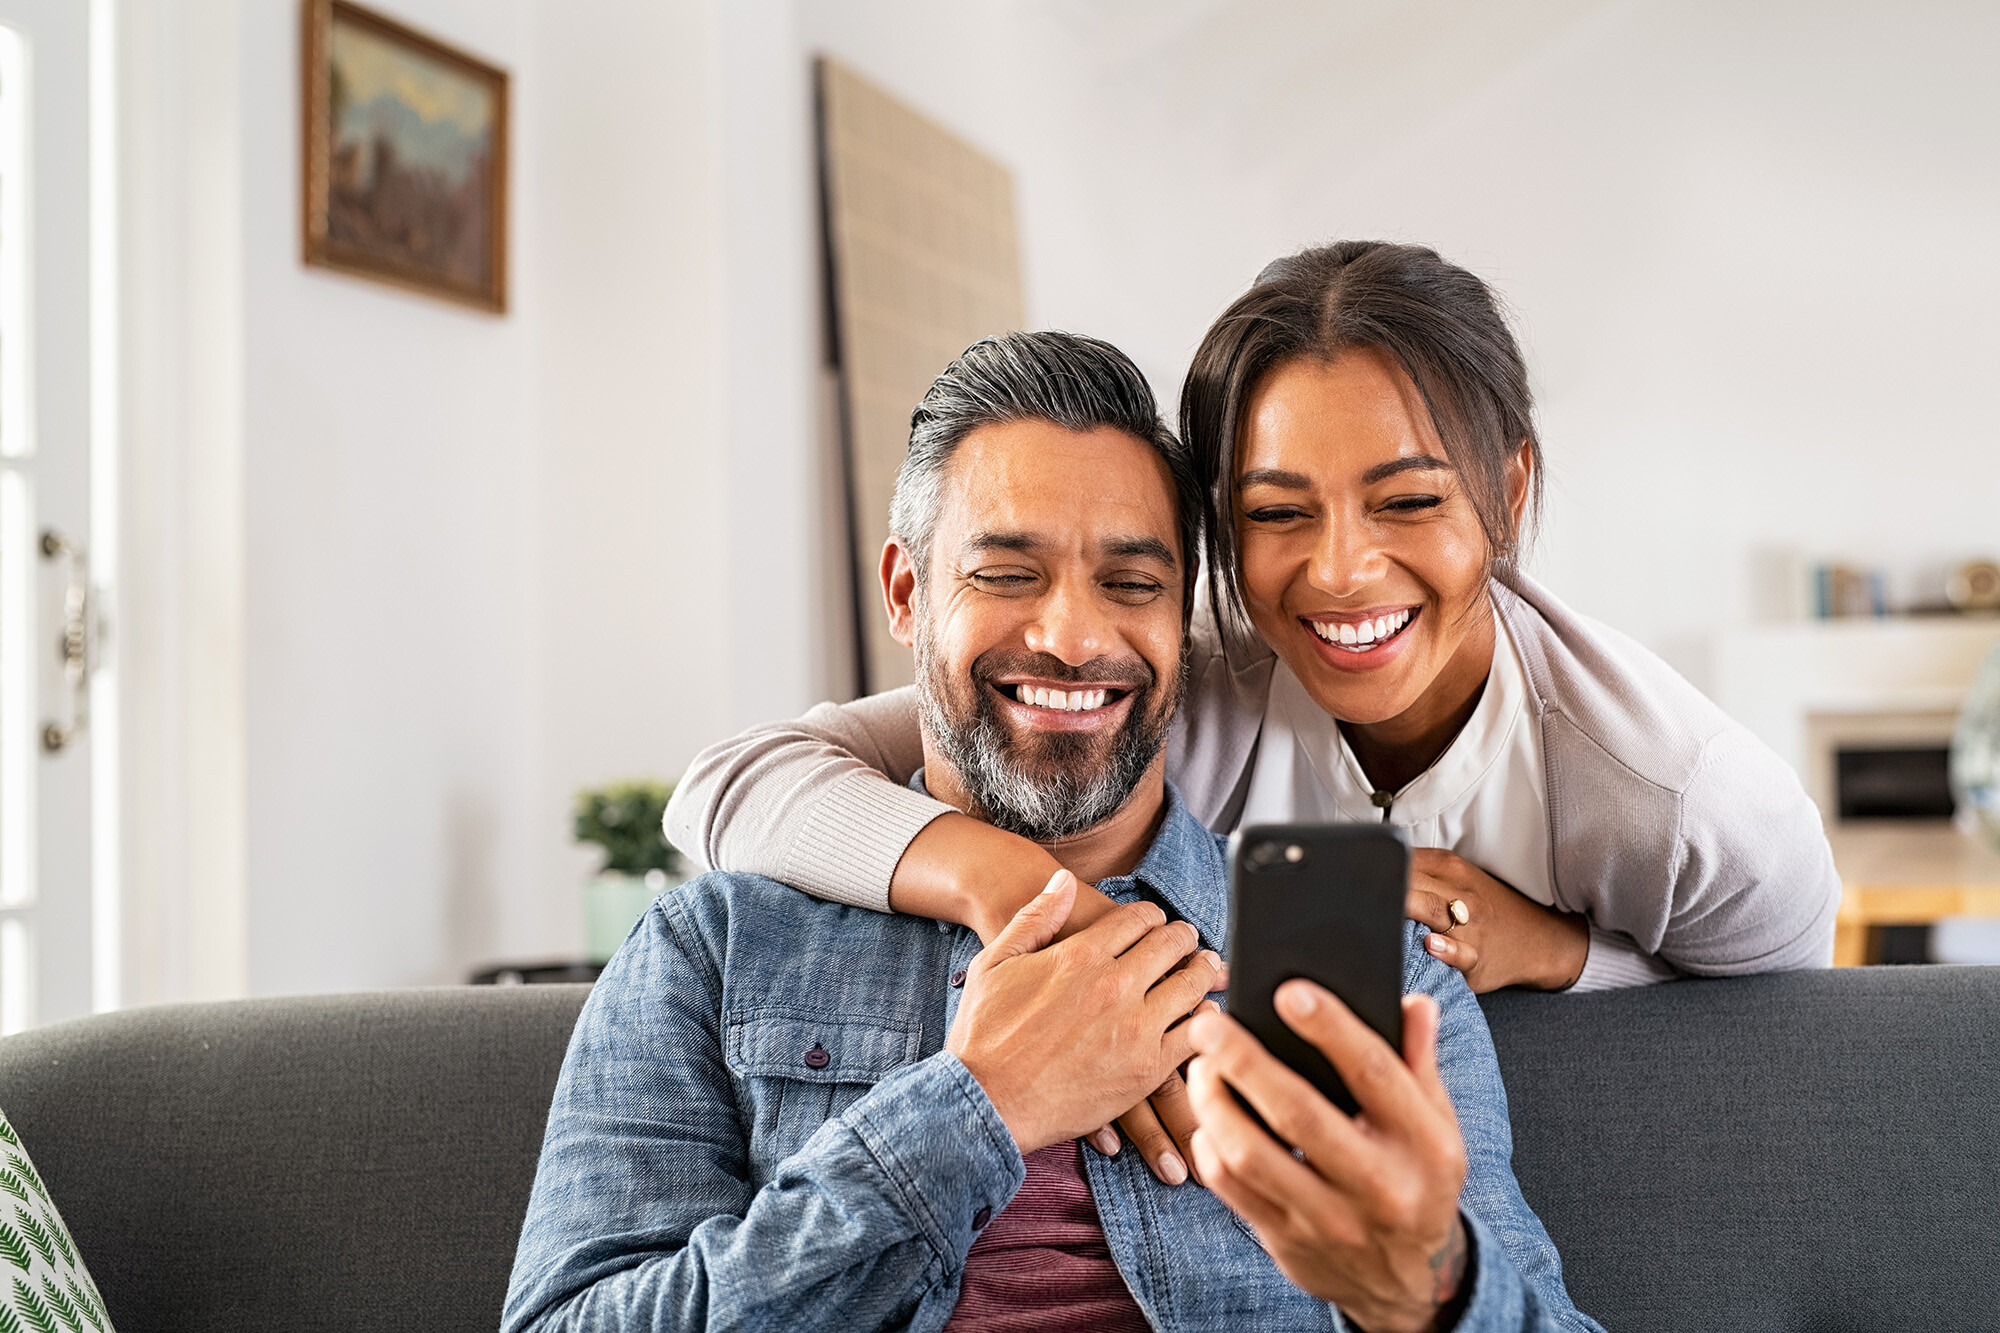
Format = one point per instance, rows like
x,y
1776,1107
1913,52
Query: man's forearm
x,y
868,1221
1496,1298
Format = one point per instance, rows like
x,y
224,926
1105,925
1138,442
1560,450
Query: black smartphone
x,y
1323,902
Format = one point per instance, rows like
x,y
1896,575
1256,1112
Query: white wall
x,y
484,560
1749,246
390,463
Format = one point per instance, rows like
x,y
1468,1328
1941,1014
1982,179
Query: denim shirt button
x,y
981,1218
958,978
817,1058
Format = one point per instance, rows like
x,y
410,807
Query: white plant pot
x,y
612,902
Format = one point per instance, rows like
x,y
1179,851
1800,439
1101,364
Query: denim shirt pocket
x,y
797,1068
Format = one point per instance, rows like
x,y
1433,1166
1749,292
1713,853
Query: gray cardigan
x,y
1687,842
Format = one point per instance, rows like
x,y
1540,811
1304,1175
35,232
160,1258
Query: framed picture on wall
x,y
405,157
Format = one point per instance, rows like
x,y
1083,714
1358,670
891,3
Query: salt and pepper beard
x,y
1066,787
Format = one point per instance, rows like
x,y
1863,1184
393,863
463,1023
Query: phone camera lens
x,y
1295,853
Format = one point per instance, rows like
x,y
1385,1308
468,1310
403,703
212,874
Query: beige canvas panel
x,y
926,261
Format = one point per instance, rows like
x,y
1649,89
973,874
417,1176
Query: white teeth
x,y
1361,635
1065,701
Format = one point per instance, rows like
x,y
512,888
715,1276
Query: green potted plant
x,y
640,864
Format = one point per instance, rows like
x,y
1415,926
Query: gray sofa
x,y
1814,1151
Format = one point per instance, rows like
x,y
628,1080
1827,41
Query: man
x,y
781,1113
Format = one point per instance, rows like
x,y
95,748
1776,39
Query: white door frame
x,y
180,631
49,945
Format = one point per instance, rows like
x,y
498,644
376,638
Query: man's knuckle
x,y
1375,1064
1403,1196
1109,989
1238,1157
1292,1127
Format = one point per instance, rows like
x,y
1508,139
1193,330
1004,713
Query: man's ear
x,y
899,592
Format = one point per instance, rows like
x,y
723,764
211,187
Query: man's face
x,y
1048,632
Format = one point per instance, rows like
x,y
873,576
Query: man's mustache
x,y
1130,673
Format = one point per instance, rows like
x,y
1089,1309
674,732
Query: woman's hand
x,y
1161,1128
1507,938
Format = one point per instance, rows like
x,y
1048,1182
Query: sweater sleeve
x,y
1755,888
819,803
1615,962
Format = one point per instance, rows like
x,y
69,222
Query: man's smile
x,y
1045,705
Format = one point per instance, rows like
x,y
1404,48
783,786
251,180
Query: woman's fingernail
x,y
1440,946
1107,1142
1172,1169
1300,1000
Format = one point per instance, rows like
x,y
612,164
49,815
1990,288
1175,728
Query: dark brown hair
x,y
1439,322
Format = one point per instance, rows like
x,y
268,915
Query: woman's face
x,y
1364,561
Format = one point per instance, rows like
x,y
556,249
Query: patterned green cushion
x,y
44,1286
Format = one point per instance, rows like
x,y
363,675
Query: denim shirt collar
x,y
1184,868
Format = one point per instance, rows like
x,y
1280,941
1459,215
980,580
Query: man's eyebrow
x,y
981,543
1002,541
1395,467
1142,548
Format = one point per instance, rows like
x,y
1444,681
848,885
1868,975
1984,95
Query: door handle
x,y
76,646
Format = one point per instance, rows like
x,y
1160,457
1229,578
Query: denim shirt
x,y
757,1126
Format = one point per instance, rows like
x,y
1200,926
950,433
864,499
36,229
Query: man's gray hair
x,y
1071,381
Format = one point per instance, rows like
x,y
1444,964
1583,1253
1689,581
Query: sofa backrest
x,y
335,1162
1816,1150
1793,1152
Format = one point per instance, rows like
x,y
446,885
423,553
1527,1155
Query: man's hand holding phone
x,y
1369,1218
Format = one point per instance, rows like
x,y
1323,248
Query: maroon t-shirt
x,y
1042,1264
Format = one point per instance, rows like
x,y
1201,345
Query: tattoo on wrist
x,y
1448,1265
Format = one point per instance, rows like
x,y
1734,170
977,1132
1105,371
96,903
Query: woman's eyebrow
x,y
1271,476
1298,481
1397,466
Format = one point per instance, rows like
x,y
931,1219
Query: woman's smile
x,y
1360,641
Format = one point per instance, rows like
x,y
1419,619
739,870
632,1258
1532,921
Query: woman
x,y
1367,649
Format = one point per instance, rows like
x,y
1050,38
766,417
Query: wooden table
x,y
1896,873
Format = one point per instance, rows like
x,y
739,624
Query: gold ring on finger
x,y
1460,914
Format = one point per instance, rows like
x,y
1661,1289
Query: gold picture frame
x,y
406,151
